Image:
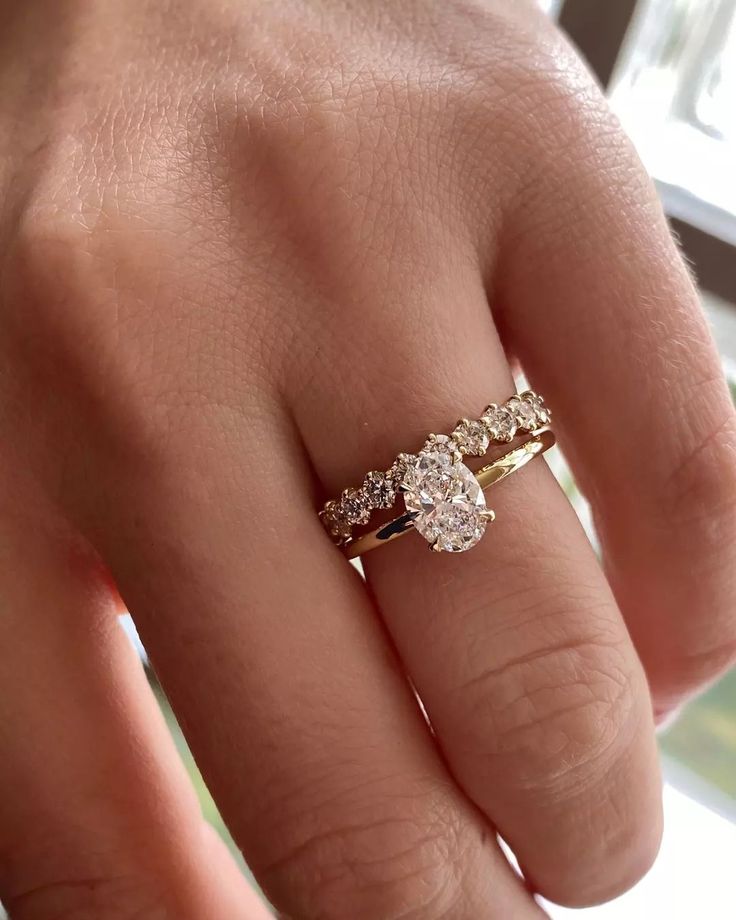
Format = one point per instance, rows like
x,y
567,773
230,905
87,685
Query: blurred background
x,y
669,68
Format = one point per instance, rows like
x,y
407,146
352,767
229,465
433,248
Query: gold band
x,y
489,475
522,413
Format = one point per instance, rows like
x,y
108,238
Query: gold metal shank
x,y
487,476
522,413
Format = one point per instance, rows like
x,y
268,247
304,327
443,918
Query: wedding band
x,y
443,498
465,528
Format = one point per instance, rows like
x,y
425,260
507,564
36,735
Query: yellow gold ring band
x,y
540,441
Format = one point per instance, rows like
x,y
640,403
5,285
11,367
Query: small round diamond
x,y
354,507
441,442
471,437
447,501
544,416
441,494
379,490
398,468
335,523
500,423
525,414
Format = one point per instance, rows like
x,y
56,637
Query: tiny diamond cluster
x,y
525,412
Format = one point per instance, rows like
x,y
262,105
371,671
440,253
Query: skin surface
x,y
249,251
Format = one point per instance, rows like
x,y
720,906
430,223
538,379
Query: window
x,y
674,90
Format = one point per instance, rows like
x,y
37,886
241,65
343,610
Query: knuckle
x,y
94,898
405,864
628,848
530,64
701,486
632,848
700,496
334,113
557,715
695,658
48,244
51,269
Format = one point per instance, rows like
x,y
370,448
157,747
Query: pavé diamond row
x,y
522,413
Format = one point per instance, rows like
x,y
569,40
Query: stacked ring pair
x,y
443,498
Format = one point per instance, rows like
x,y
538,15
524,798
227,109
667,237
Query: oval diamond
x,y
447,500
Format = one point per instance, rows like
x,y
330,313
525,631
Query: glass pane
x,y
703,741
551,7
674,89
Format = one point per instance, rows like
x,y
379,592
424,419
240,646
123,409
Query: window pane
x,y
674,89
552,7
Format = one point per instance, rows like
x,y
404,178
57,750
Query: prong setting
x,y
524,412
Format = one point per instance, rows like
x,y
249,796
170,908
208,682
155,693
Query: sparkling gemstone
x,y
525,413
471,437
354,507
335,523
399,468
544,416
447,499
500,423
441,442
379,490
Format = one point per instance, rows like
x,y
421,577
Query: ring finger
x,y
517,649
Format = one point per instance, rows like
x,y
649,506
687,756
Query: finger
x,y
289,694
619,341
516,648
97,817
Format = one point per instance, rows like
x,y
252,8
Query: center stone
x,y
447,500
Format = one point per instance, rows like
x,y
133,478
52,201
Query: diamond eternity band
x,y
443,498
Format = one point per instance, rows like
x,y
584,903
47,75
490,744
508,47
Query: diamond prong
x,y
441,493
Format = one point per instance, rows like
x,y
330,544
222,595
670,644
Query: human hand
x,y
251,251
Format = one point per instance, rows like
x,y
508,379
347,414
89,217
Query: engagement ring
x,y
443,498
